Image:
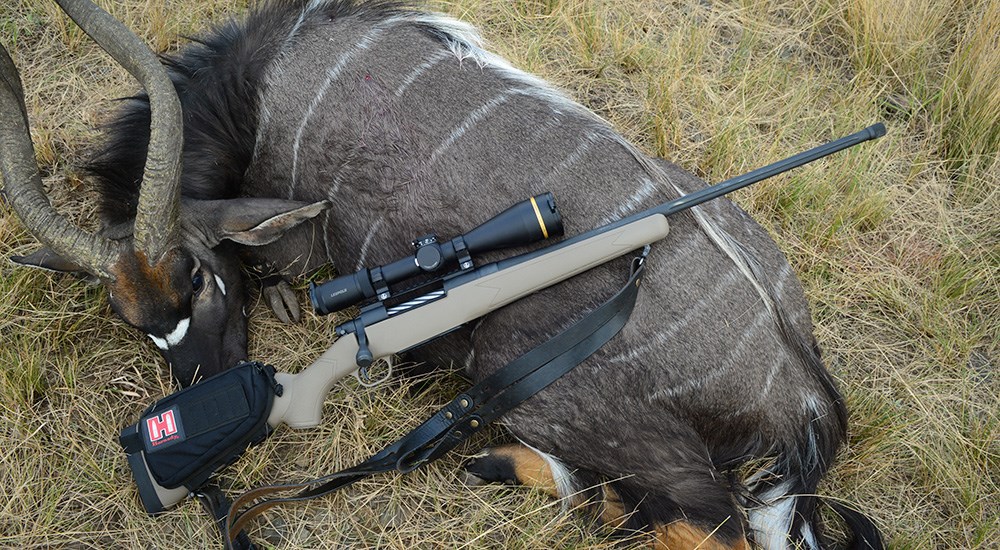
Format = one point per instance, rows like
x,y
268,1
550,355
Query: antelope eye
x,y
197,282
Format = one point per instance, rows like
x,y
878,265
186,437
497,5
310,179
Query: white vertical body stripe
x,y
368,242
331,75
469,122
419,70
644,192
575,156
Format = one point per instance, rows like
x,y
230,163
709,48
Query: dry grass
x,y
896,242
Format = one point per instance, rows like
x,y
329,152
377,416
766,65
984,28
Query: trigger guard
x,y
361,374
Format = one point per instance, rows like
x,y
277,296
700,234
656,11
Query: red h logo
x,y
161,426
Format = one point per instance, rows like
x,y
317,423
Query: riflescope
x,y
526,222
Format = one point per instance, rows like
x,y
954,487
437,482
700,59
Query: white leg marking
x,y
331,75
219,283
419,70
773,521
809,536
470,121
368,242
561,475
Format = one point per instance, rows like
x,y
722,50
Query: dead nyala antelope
x,y
331,131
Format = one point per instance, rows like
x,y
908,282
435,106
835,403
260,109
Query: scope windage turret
x,y
524,223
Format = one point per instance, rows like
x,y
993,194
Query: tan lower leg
x,y
680,535
529,468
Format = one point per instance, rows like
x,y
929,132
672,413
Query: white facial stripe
x,y
175,336
160,342
220,284
180,331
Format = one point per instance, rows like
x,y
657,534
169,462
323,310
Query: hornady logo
x,y
163,428
160,427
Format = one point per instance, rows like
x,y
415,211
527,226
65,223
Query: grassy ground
x,y
896,242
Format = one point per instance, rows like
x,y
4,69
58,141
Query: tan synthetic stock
x,y
301,404
167,497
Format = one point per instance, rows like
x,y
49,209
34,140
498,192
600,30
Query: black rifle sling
x,y
217,505
468,413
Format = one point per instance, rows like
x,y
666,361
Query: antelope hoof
x,y
282,301
513,464
472,480
489,467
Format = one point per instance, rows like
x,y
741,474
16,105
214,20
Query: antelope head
x,y
173,273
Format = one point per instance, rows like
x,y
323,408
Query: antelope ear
x,y
248,221
45,258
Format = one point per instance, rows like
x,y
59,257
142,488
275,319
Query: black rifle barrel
x,y
874,131
739,182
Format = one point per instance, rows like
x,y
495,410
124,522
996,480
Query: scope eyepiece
x,y
342,292
524,223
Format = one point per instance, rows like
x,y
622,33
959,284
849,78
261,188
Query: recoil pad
x,y
183,439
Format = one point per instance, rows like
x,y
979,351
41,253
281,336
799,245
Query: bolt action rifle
x,y
183,439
